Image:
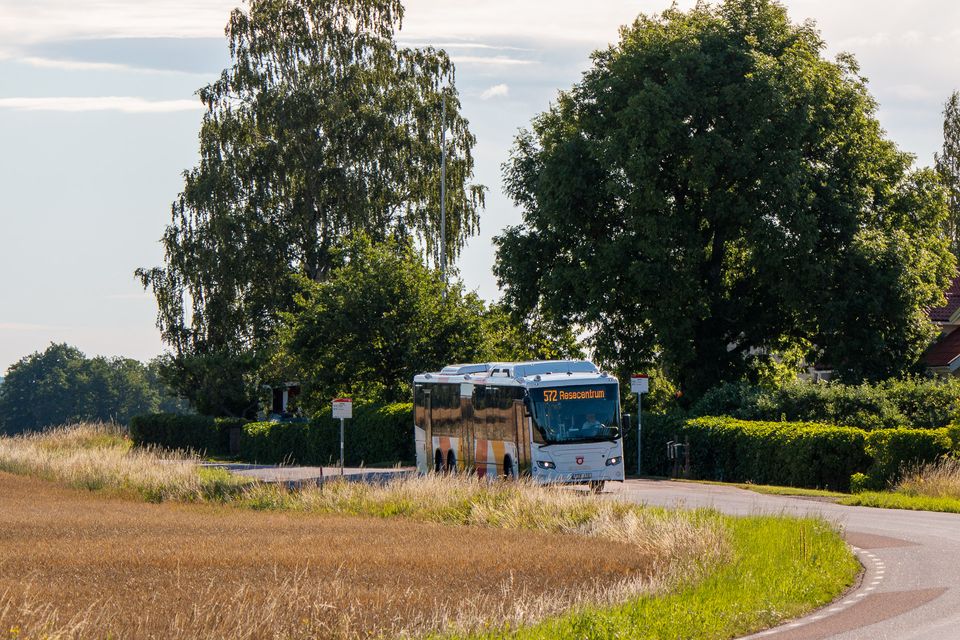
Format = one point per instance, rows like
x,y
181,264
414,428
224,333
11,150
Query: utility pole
x,y
443,196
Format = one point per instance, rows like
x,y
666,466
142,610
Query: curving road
x,y
910,589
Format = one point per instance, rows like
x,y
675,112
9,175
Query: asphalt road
x,y
910,589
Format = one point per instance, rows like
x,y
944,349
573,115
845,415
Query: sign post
x,y
343,409
639,384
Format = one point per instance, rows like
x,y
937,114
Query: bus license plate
x,y
581,476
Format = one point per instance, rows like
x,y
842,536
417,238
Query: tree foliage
x,y
381,318
948,166
322,127
60,385
714,189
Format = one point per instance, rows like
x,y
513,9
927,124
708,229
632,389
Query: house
x,y
943,356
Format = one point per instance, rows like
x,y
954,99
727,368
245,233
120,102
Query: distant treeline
x,y
61,385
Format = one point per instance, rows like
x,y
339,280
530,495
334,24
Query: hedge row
x,y
799,454
377,435
913,402
178,431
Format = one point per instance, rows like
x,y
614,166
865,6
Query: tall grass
x,y
100,457
929,487
691,539
937,480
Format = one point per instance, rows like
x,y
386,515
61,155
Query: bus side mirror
x,y
625,421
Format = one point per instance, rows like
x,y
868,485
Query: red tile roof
x,y
944,351
942,314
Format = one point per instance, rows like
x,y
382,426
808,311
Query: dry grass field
x,y
77,564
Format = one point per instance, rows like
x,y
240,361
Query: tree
x,y
381,318
948,167
60,385
322,127
713,189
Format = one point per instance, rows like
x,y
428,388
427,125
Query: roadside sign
x,y
639,383
343,408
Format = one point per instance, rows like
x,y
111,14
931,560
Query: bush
x,y
799,454
655,429
859,482
894,450
377,435
178,431
913,402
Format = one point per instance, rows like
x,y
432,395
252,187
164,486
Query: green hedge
x,y
377,435
913,402
799,454
892,450
177,431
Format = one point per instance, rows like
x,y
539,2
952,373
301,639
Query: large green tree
x,y
321,127
60,385
948,166
714,189
382,317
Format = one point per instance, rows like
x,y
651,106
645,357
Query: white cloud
x,y
124,104
496,91
495,60
82,65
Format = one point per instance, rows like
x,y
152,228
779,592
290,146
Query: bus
x,y
557,421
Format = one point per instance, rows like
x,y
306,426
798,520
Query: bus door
x,y
428,428
522,436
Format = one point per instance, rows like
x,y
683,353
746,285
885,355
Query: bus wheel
x,y
451,462
438,462
597,486
507,468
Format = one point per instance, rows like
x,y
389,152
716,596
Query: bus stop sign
x,y
343,408
639,383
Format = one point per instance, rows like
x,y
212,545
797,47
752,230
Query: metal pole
x,y
341,446
443,196
639,431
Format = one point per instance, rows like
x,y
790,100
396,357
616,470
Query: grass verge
x,y
775,489
897,500
781,568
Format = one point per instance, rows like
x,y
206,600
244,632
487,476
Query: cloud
x,y
84,65
494,60
103,103
496,91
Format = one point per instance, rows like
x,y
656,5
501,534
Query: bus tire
x,y
508,467
451,461
438,461
596,486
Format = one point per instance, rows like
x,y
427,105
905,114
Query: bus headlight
x,y
546,464
614,460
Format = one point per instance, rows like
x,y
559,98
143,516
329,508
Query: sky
x,y
99,118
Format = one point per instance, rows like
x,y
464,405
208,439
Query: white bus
x,y
555,420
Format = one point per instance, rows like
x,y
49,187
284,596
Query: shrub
x,y
179,431
656,428
893,450
800,454
859,482
377,434
912,402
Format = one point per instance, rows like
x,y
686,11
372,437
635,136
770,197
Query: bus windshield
x,y
572,414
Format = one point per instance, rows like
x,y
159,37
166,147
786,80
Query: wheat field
x,y
82,554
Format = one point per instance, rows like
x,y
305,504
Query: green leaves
x,y
381,317
713,189
60,385
321,128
